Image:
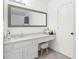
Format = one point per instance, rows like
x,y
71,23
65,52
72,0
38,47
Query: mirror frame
x,y
9,17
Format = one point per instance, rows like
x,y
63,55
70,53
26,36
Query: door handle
x,y
72,33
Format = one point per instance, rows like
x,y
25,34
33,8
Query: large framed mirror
x,y
24,17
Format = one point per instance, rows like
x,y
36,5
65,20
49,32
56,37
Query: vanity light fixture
x,y
26,2
19,1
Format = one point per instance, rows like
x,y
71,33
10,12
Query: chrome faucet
x,y
8,35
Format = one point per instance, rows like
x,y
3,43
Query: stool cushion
x,y
44,45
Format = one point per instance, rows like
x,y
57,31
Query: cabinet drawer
x,y
44,39
22,44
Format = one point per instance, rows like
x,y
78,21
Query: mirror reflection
x,y
26,17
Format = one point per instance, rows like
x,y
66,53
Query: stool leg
x,y
41,52
46,50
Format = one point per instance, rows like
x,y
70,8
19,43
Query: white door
x,y
66,28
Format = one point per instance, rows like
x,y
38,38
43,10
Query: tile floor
x,y
53,55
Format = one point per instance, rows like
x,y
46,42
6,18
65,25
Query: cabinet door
x,y
30,51
13,54
26,48
33,49
25,52
6,51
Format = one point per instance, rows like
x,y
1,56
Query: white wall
x,y
53,24
36,5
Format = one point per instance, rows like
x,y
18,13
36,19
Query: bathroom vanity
x,y
25,47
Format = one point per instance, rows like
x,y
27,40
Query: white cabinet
x,y
21,50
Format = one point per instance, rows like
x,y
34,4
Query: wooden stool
x,y
44,48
